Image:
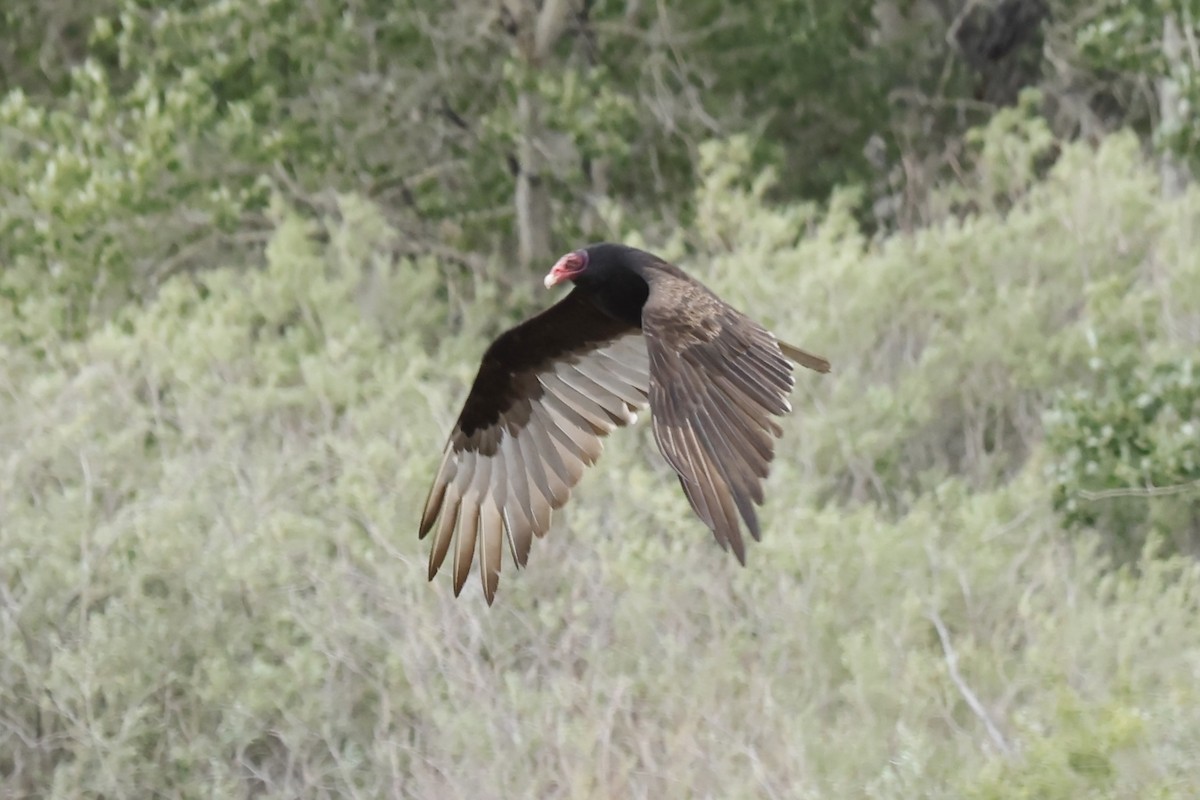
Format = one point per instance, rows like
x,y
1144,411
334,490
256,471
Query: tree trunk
x,y
539,30
1173,170
532,199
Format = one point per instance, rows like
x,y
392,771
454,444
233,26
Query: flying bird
x,y
635,331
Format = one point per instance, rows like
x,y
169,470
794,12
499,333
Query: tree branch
x,y
1140,491
963,689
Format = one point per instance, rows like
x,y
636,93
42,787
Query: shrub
x,y
211,581
1126,455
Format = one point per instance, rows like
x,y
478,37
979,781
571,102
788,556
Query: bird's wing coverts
x,y
717,380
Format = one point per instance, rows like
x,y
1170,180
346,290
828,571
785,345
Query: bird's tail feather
x,y
804,358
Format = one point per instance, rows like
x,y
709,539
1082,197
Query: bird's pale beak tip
x,y
549,280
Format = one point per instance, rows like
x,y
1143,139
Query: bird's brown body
x,y
635,331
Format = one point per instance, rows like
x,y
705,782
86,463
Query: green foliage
x,y
809,66
164,149
154,147
947,343
248,261
1122,35
41,41
1083,757
1128,37
212,583
1128,452
1107,741
101,195
1010,153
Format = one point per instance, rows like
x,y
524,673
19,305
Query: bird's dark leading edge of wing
x,y
505,373
546,393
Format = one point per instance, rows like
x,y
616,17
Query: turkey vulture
x,y
635,330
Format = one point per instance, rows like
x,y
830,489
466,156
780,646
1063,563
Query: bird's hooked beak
x,y
567,268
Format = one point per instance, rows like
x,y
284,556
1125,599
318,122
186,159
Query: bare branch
x,y
968,695
551,23
1140,491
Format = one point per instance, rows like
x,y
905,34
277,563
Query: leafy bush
x,y
949,343
211,581
250,253
1149,39
102,197
1128,453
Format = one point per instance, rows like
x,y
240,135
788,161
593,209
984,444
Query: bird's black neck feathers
x,y
615,280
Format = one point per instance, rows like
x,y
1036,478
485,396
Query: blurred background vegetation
x,y
250,253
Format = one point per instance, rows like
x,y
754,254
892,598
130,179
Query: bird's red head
x,y
567,268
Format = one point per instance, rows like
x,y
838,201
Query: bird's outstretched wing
x,y
546,393
717,380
